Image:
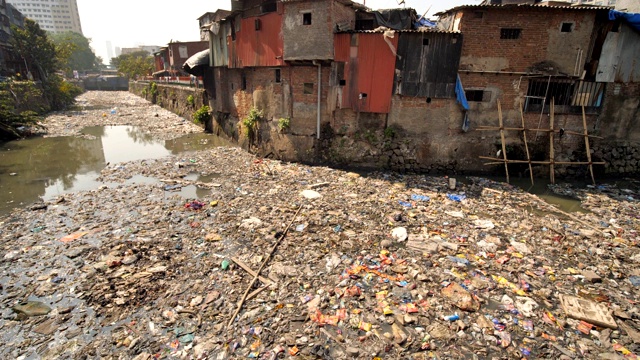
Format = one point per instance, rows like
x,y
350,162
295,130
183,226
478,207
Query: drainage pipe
x,y
319,95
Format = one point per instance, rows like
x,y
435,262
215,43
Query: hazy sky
x,y
128,23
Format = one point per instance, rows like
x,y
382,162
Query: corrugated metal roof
x,y
380,31
538,6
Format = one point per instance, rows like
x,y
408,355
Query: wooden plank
x,y
551,154
504,147
586,144
526,145
587,310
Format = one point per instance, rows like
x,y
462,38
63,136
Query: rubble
x,y
376,265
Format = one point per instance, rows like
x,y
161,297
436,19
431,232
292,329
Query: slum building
x,y
525,56
380,89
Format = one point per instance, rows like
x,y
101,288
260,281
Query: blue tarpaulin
x,y
462,99
632,19
460,96
422,22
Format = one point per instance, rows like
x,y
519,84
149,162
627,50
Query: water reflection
x,y
37,168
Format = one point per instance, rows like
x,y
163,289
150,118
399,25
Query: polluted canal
x,y
281,260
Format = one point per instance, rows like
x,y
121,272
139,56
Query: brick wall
x,y
343,16
541,38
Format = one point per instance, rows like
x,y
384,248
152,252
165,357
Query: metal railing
x,y
569,95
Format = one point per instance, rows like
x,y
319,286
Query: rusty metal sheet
x,y
258,42
428,63
589,311
368,71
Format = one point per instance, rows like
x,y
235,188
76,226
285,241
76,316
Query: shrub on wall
x,y
202,115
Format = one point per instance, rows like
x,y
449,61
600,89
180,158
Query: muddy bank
x,y
382,265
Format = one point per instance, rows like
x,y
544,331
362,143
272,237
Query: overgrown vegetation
x,y
191,101
250,122
283,124
11,118
202,115
40,89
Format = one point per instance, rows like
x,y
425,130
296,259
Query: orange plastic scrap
x,y
410,308
584,327
341,314
294,351
549,337
74,236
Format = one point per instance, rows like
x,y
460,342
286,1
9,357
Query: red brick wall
x,y
540,39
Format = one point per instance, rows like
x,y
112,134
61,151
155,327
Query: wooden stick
x,y
250,271
526,145
500,161
586,143
551,155
256,292
569,132
504,147
273,249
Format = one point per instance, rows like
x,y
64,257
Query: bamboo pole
x,y
551,155
500,161
526,145
255,277
504,147
586,143
568,132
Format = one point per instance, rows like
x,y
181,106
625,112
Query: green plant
x,y
283,124
153,88
191,101
370,136
251,121
390,133
202,115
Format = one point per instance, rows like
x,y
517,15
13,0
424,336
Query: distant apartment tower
x,y
109,50
52,15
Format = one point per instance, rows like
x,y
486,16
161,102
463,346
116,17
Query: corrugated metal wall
x,y
219,45
428,63
369,70
258,42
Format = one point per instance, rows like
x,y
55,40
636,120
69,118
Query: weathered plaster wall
x,y
307,42
171,97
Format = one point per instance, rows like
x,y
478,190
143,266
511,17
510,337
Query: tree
x,y
33,45
138,63
41,54
74,52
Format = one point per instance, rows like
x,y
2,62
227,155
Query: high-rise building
x,y
52,15
109,51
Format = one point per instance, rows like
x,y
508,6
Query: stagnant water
x,y
43,168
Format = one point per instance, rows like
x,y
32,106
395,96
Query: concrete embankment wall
x,y
416,135
171,97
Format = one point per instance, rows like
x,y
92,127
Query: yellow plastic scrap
x,y
504,282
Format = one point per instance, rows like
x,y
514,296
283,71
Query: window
x,y
568,95
268,7
244,82
278,74
478,95
306,19
510,33
566,27
425,42
307,88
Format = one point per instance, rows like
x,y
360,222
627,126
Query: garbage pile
x,y
283,260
